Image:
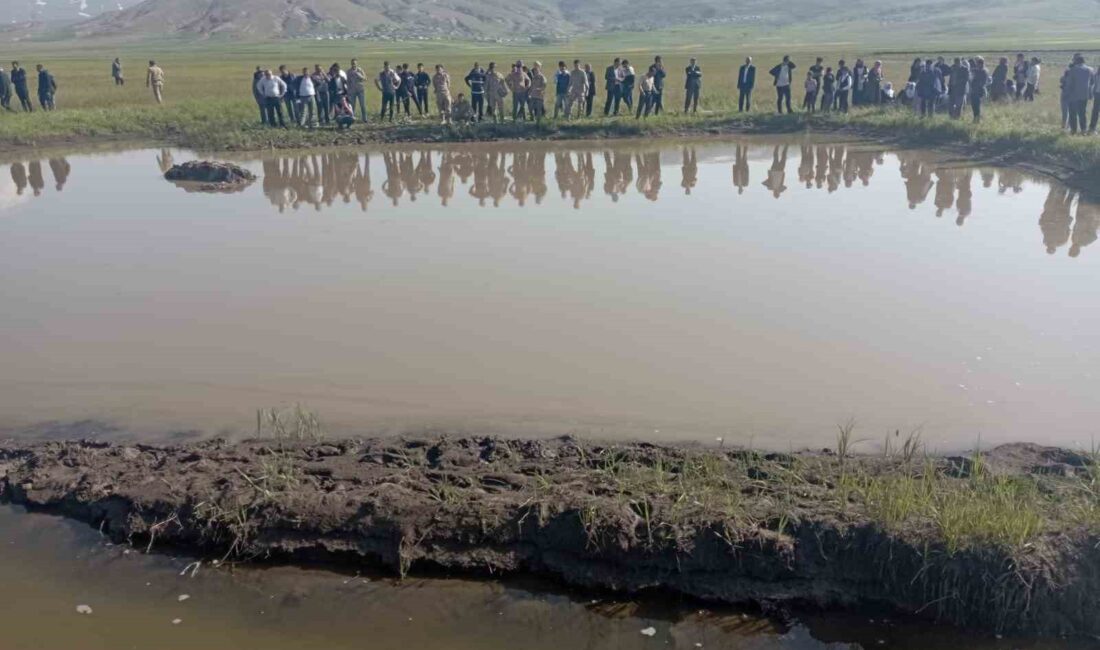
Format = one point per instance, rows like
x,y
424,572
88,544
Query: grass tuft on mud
x,y
1007,540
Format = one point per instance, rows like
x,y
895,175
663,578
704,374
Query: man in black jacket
x,y
746,81
291,96
783,79
591,98
693,85
476,81
659,75
19,82
423,83
47,88
611,79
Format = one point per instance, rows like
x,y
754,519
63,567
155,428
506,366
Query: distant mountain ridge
x,y
521,20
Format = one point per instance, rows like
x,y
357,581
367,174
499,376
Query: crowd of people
x,y
337,96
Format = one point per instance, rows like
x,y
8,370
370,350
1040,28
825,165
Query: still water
x,y
761,291
50,567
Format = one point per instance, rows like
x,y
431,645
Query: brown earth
x,y
720,524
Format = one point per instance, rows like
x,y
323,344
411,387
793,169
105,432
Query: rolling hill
x,y
521,20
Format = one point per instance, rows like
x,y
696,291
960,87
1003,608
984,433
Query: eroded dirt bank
x,y
1006,541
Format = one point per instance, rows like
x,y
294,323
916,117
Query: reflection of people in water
x,y
1085,225
836,167
1011,179
649,174
1055,220
392,187
19,177
689,170
822,166
965,202
446,187
38,182
164,160
918,180
741,168
618,173
945,191
60,168
361,181
777,175
806,166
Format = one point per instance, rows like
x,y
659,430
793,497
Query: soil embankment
x,y
1007,541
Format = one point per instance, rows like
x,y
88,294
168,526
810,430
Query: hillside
x,y
833,21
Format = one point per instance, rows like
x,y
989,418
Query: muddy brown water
x,y
760,291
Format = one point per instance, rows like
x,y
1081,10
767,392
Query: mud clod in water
x,y
208,176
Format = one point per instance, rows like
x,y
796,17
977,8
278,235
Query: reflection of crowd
x,y
31,175
518,173
1061,225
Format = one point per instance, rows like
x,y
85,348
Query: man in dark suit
x,y
611,80
746,81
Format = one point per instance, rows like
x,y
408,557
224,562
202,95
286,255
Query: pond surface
x,y
761,291
50,567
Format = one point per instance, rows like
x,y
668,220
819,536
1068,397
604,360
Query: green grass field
x,y
209,105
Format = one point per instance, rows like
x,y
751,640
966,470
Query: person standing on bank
x,y
496,89
959,88
647,93
979,81
1033,72
1019,74
154,78
387,83
475,80
929,88
746,81
116,72
628,76
19,82
5,90
519,83
693,85
1079,83
406,90
536,92
357,91
659,75
290,93
307,93
423,83
843,87
272,89
321,88
47,88
257,96
783,77
441,84
578,90
590,98
999,86
611,81
561,90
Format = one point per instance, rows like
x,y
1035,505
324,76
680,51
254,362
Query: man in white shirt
x,y
783,75
272,89
306,96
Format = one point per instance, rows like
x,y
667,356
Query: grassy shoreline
x,y
1005,540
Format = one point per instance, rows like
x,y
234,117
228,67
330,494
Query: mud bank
x,y
1007,541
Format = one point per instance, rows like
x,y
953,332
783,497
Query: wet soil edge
x,y
474,506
